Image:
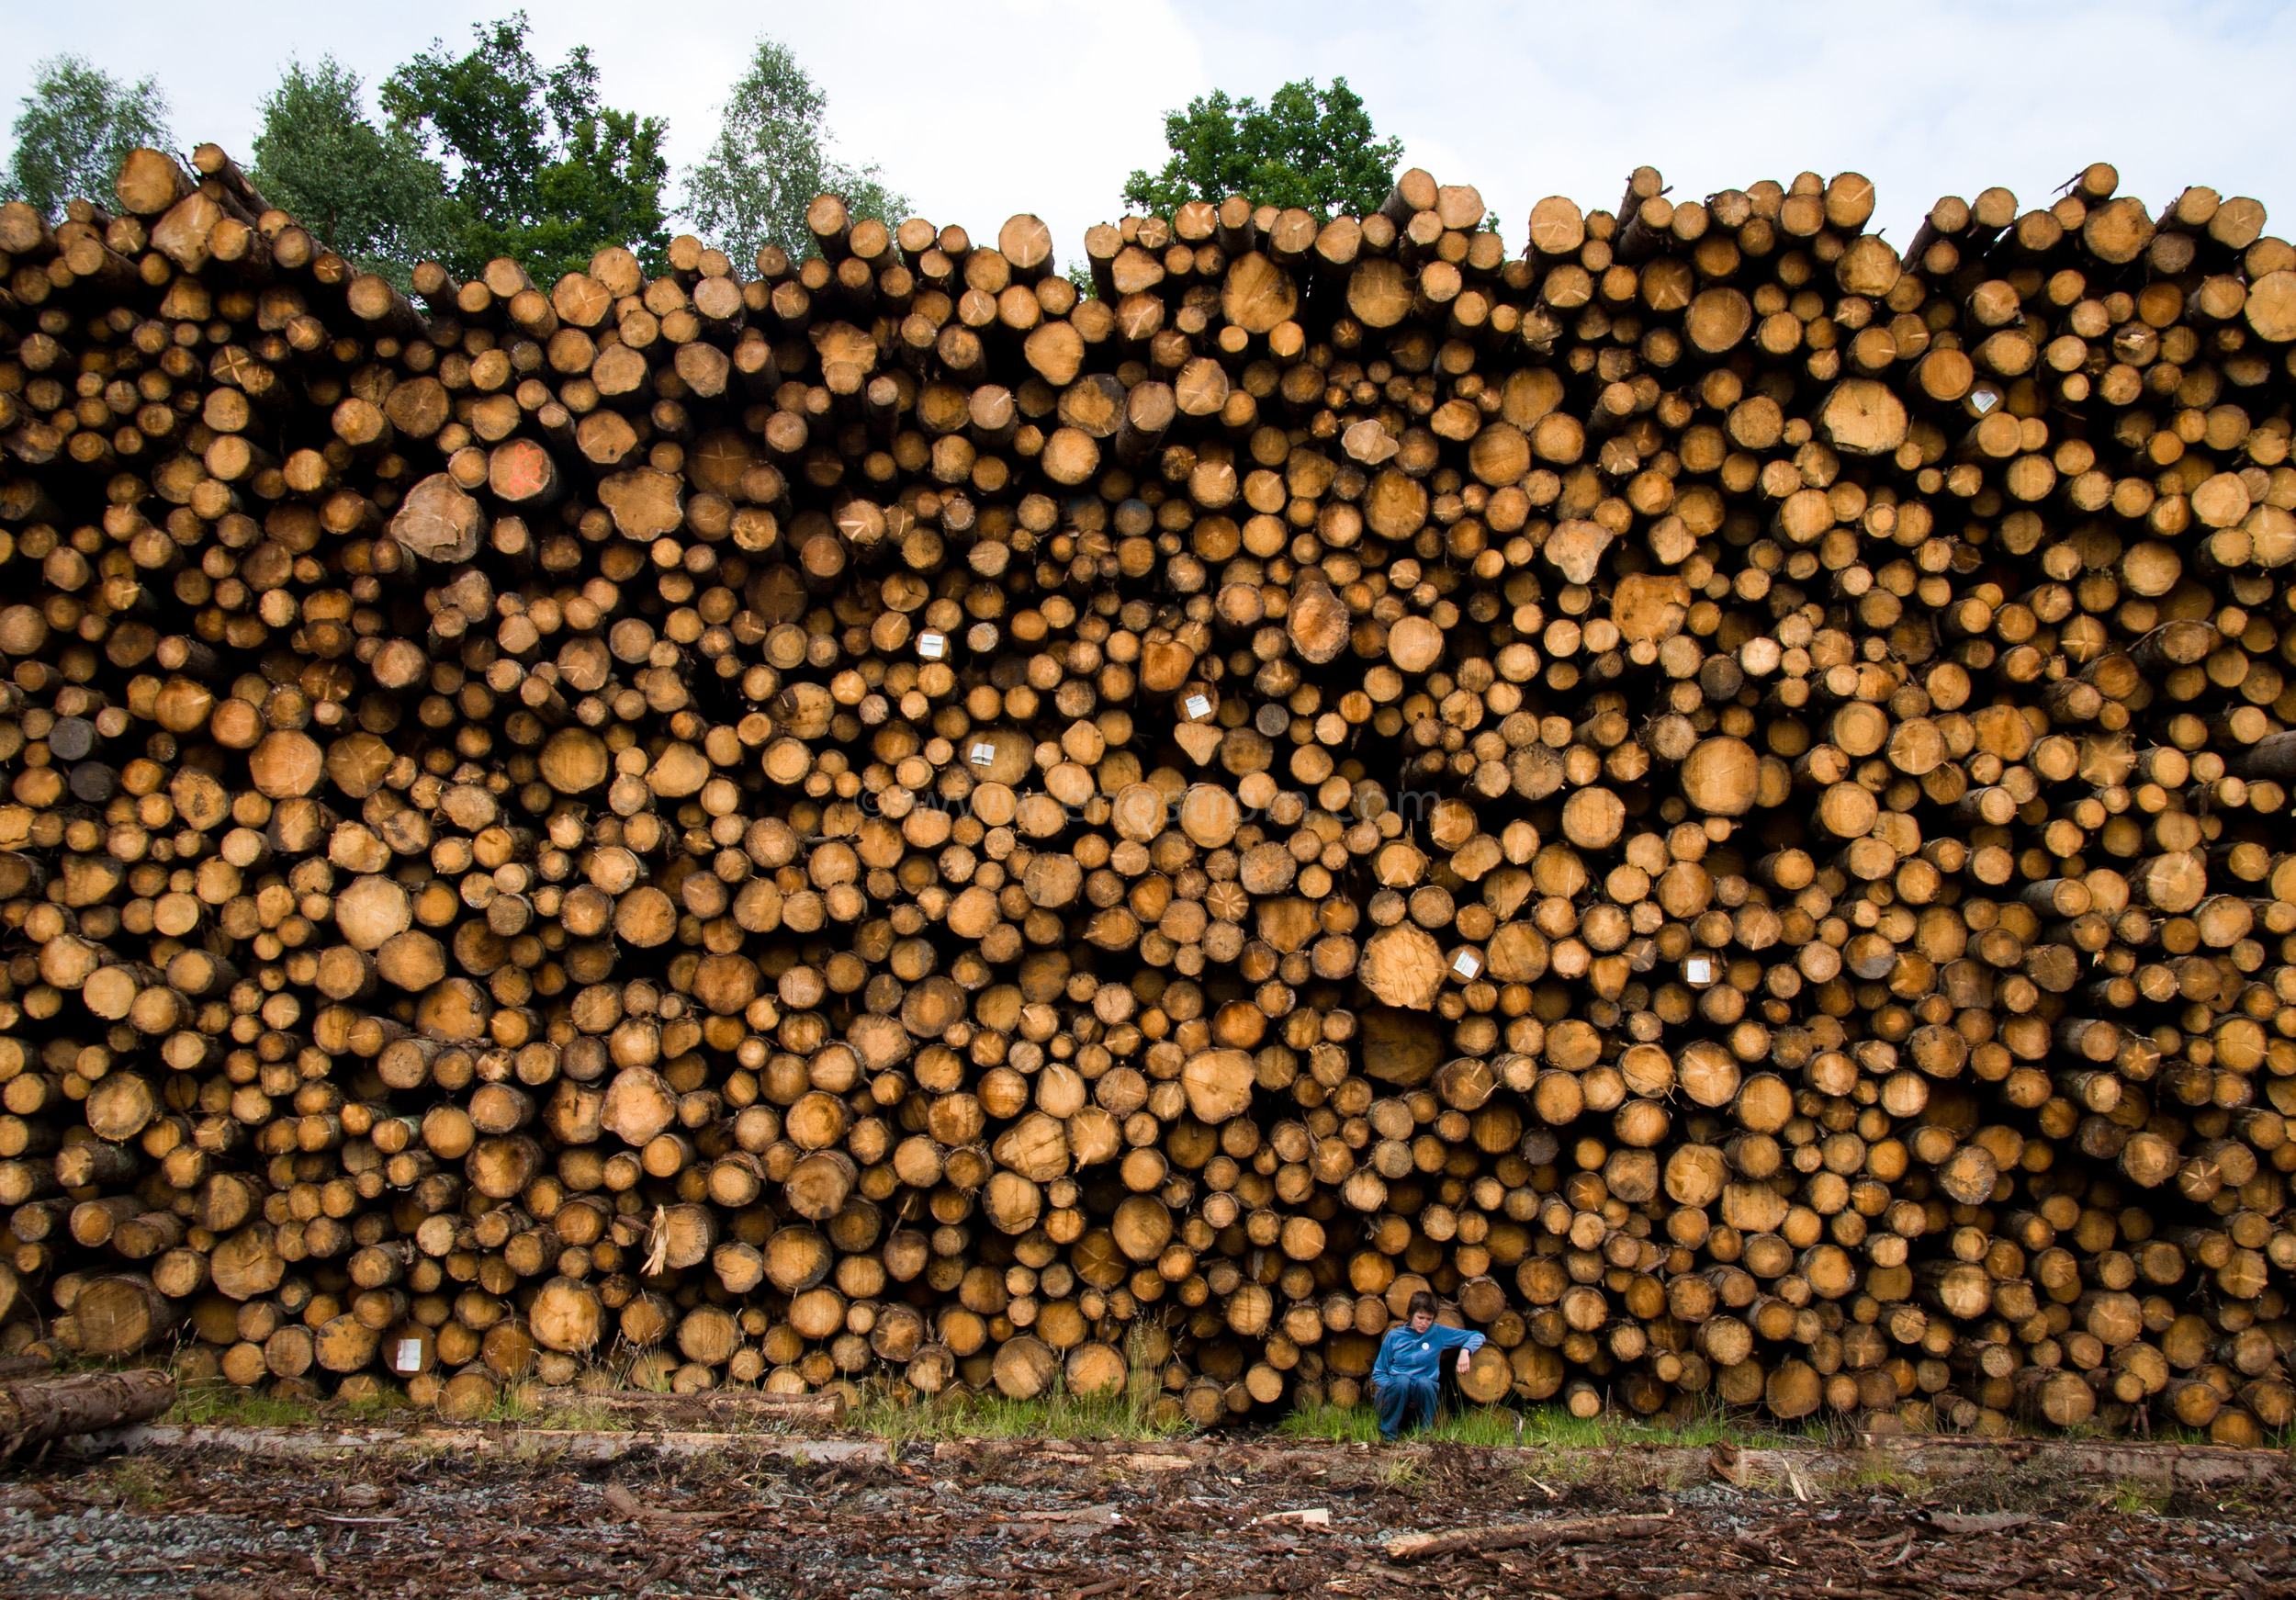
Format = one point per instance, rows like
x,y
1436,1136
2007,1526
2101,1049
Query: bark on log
x,y
1510,1535
34,1411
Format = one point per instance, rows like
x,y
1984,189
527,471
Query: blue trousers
x,y
1403,1403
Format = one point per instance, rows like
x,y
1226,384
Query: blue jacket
x,y
1418,1358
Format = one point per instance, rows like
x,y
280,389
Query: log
x,y
1711,795
1511,1535
121,1315
34,1411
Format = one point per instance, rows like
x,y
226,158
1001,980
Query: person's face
x,y
1421,1321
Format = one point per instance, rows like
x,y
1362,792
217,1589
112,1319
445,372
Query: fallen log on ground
x,y
1510,1535
34,1411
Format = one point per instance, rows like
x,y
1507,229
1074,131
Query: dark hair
x,y
1424,1302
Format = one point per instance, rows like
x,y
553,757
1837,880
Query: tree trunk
x,y
34,1411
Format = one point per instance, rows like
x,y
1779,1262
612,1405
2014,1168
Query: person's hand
x,y
1463,1363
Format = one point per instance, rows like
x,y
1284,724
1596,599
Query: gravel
x,y
215,1525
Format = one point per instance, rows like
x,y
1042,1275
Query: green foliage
x,y
768,161
607,190
141,1481
558,1410
536,168
1060,1415
1307,147
366,194
1548,1427
77,125
215,1404
1353,1425
2132,1497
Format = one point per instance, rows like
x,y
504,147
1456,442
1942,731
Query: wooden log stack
x,y
1713,792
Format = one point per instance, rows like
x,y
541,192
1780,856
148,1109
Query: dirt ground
x,y
984,1520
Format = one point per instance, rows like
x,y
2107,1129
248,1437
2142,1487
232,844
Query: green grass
x,y
1878,1471
577,1414
216,1403
1135,1417
1348,1424
2131,1498
221,1404
391,1402
1543,1427
1140,1414
991,1416
133,1481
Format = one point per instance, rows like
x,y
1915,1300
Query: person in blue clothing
x,y
1410,1367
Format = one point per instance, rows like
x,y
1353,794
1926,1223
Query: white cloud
x,y
979,110
1924,98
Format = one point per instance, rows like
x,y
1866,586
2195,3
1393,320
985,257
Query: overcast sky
x,y
978,111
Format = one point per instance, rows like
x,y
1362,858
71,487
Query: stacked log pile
x,y
1713,791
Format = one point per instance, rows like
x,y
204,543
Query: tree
x,y
607,190
536,169
368,194
1307,147
768,161
77,125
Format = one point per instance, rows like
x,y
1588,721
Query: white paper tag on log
x,y
1697,969
982,754
409,1356
931,646
1466,964
1196,705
